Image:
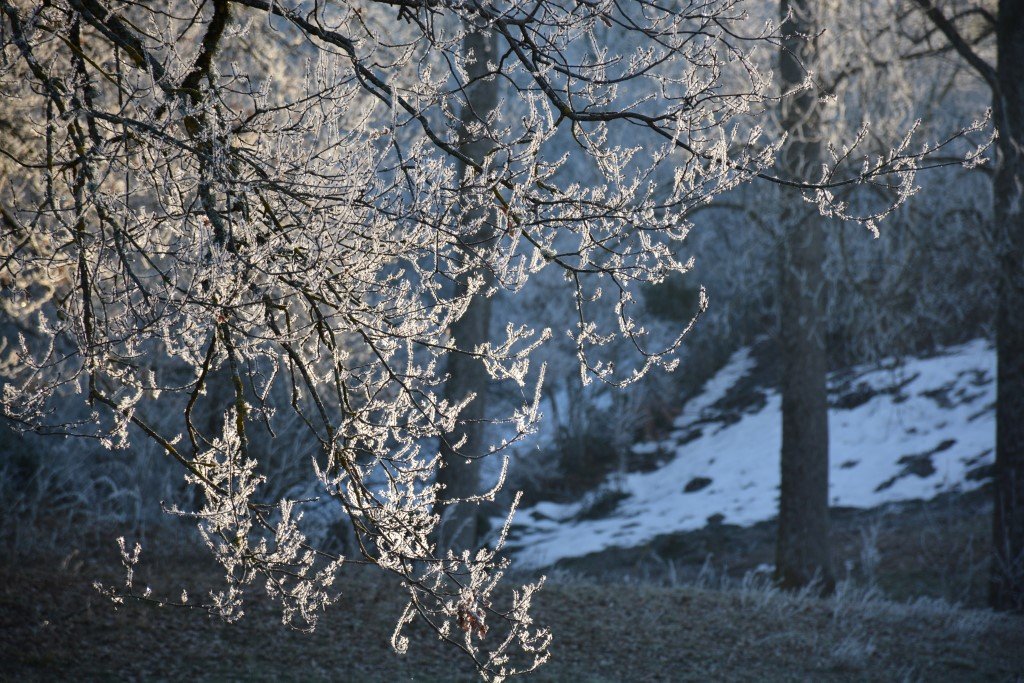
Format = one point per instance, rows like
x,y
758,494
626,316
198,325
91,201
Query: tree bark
x,y
459,473
803,554
1006,589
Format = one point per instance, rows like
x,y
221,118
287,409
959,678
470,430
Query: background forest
x,y
720,299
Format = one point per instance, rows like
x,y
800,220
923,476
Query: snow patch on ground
x,y
918,429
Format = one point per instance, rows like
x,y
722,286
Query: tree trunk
x,y
1007,576
459,473
802,551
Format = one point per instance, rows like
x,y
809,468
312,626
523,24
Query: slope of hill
x,y
899,431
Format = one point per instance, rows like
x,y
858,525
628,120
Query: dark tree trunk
x,y
1007,577
803,554
459,473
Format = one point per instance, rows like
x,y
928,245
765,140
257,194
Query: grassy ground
x,y
938,548
54,626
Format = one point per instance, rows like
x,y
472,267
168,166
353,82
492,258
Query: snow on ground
x,y
917,429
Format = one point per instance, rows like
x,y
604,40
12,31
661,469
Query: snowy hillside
x,y
923,428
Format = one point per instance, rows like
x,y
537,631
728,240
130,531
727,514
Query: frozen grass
x,y
53,626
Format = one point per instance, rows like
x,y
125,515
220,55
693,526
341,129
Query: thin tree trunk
x,y
1007,577
803,554
459,473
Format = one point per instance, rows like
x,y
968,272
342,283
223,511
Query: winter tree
x,y
459,474
841,65
221,216
963,28
803,553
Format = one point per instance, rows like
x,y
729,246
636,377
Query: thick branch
x,y
984,69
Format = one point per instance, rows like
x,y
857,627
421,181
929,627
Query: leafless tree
x,y
803,552
960,28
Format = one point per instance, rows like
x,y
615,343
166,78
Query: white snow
x,y
742,459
